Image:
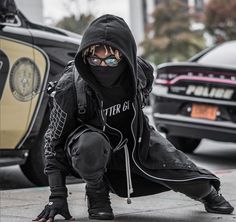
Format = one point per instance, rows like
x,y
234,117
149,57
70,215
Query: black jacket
x,y
152,156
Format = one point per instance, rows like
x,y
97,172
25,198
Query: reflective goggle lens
x,y
110,61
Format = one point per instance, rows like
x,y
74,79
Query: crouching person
x,y
99,132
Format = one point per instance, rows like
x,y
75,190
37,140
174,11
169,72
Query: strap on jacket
x,y
80,95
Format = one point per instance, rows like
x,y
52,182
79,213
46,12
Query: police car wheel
x,y
187,145
33,168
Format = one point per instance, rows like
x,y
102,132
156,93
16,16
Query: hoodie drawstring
x,y
127,160
128,174
127,169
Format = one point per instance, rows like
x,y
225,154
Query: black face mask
x,y
108,76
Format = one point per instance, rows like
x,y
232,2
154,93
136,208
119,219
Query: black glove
x,y
56,205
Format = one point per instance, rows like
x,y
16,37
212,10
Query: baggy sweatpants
x,y
90,155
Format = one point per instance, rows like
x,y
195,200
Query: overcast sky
x,y
54,10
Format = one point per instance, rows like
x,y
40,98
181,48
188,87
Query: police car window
x,y
224,54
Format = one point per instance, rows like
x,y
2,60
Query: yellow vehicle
x,y
31,55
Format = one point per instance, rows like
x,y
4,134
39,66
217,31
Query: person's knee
x,y
90,153
92,145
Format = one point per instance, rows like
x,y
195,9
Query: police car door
x,y
18,81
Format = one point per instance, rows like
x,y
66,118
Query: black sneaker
x,y
216,203
99,204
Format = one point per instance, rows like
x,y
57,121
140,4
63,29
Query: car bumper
x,y
178,125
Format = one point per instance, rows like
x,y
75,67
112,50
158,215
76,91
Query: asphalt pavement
x,y
22,205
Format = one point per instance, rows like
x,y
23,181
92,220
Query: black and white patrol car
x,y
197,99
31,55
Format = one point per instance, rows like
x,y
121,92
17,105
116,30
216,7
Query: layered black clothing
x,y
153,159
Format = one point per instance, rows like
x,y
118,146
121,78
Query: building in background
x,y
32,9
137,20
197,5
137,13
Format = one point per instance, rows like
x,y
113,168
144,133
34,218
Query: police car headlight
x,y
24,79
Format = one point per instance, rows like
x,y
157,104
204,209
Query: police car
x,y
197,99
31,55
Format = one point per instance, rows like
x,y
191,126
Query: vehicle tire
x,y
187,145
33,168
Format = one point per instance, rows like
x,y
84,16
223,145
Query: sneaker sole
x,y
101,217
227,210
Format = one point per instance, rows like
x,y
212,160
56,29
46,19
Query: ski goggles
x,y
111,61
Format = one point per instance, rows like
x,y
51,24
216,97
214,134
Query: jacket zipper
x,y
104,128
122,144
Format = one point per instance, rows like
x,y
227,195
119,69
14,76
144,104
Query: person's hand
x,y
54,207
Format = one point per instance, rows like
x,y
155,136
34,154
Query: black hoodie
x,y
113,31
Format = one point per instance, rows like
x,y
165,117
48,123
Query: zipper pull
x,y
103,119
139,139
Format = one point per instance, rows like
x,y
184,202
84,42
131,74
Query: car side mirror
x,y
8,11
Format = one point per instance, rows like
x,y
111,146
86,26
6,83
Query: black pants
x,y
90,155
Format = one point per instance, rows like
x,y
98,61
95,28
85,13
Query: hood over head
x,y
112,31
